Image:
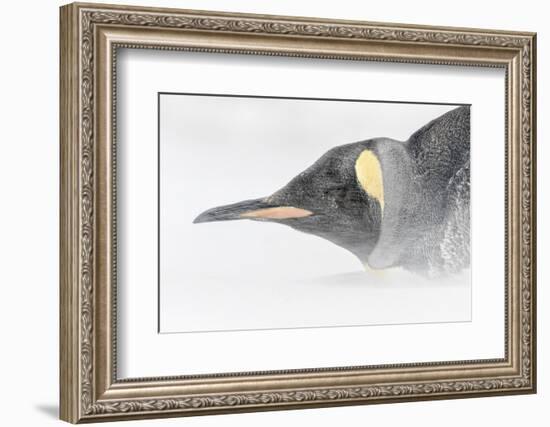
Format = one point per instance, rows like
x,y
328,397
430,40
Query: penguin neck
x,y
400,209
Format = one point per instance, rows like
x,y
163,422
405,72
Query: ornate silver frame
x,y
90,35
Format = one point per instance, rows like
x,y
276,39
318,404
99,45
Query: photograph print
x,y
281,213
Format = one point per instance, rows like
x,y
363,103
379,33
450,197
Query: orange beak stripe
x,y
280,212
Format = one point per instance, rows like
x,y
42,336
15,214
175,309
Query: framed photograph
x,y
266,212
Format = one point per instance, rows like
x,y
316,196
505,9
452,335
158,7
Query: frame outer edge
x,y
296,19
69,312
77,342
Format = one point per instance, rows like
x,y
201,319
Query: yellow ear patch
x,y
369,174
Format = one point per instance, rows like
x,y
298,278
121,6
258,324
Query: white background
x,y
29,216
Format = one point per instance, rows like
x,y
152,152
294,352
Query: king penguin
x,y
390,203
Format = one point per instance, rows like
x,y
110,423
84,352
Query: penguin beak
x,y
257,209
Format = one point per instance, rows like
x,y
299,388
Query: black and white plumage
x,y
391,203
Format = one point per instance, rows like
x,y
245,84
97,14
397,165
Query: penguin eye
x,y
329,173
337,192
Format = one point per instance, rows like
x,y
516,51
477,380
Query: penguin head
x,y
339,198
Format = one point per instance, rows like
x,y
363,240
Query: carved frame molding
x,y
90,35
